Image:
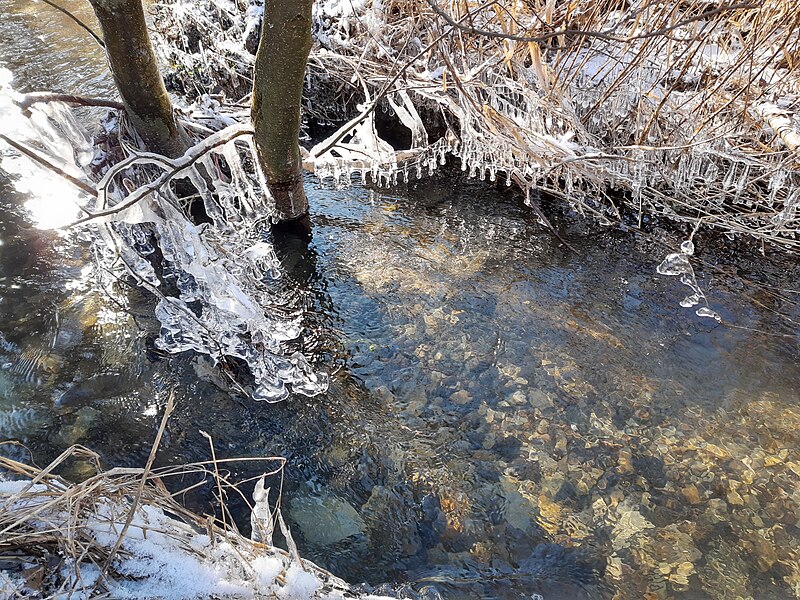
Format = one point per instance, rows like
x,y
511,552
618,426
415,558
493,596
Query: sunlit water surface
x,y
507,417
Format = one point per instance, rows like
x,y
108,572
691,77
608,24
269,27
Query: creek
x,y
506,416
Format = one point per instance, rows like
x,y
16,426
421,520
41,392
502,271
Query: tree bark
x,y
277,94
135,70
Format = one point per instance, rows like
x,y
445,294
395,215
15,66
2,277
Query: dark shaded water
x,y
507,417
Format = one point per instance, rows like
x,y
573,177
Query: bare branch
x,y
193,154
80,23
71,99
36,157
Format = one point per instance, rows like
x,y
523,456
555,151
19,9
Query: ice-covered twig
x,y
32,98
176,166
48,164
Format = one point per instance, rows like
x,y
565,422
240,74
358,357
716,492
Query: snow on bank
x,y
159,556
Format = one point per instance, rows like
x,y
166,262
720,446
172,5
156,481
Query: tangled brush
x,y
684,109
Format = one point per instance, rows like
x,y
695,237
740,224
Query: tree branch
x,y
34,156
71,99
80,23
193,154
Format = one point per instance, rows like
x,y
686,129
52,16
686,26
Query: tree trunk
x,y
277,94
135,70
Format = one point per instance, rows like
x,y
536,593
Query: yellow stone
x,y
685,568
679,579
692,494
734,498
549,515
716,451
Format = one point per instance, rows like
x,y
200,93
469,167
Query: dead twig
x,y
32,98
41,160
78,21
142,482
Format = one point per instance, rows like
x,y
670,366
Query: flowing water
x,y
506,417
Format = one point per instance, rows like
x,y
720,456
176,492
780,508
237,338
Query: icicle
x,y
261,518
678,264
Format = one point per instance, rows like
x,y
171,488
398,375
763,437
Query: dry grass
x,y
686,109
52,531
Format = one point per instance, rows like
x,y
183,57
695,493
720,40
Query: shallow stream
x,y
506,417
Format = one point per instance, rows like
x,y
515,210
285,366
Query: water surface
x,y
507,417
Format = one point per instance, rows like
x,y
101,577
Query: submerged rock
x,y
99,387
325,520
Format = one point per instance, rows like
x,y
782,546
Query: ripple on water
x,y
512,419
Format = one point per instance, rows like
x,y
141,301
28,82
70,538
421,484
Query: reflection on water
x,y
47,51
510,418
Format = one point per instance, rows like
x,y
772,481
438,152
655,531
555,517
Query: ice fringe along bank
x,y
684,109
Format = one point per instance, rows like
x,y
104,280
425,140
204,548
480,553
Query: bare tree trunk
x,y
277,94
135,70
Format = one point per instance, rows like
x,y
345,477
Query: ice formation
x,y
227,304
52,133
223,299
678,264
699,125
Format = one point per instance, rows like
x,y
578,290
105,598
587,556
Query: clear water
x,y
506,417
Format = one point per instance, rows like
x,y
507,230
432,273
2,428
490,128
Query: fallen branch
x,y
72,99
780,123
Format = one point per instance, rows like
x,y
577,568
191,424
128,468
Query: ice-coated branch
x,y
173,167
32,98
41,160
328,144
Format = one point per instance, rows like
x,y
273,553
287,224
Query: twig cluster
x,y
678,108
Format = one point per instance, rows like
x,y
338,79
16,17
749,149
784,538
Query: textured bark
x,y
277,94
135,70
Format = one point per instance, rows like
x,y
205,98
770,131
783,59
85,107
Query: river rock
x,y
325,520
461,397
691,493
